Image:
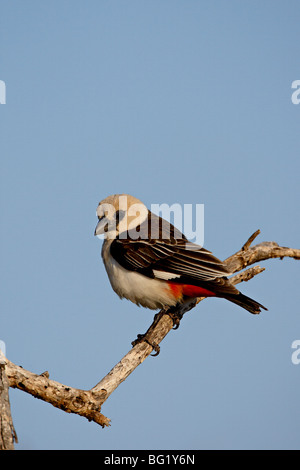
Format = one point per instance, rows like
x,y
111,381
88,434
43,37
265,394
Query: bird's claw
x,y
144,338
155,347
175,317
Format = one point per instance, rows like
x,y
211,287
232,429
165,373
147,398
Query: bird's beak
x,y
100,227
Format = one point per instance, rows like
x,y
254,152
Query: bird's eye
x,y
100,217
119,215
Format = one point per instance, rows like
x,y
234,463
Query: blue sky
x,y
172,102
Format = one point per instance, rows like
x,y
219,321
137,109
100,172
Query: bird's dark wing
x,y
167,256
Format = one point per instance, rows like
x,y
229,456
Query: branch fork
x,y
88,403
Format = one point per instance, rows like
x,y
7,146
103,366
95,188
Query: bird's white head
x,y
118,214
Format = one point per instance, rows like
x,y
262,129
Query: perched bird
x,y
151,263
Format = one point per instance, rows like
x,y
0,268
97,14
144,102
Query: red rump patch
x,y
189,291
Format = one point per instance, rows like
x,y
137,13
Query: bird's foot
x,y
175,316
153,344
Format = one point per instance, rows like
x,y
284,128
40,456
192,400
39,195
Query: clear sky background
x,y
172,102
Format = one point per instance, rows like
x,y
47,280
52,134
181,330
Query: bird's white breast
x,y
150,293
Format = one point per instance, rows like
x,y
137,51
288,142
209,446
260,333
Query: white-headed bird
x,y
151,263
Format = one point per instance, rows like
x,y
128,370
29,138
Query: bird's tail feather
x,y
249,304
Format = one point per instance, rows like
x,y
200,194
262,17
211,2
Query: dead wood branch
x,y
248,255
7,431
88,403
69,399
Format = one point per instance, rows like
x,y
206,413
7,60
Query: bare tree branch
x,y
69,399
88,403
7,431
249,255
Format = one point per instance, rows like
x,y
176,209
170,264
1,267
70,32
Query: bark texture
x,y
7,431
